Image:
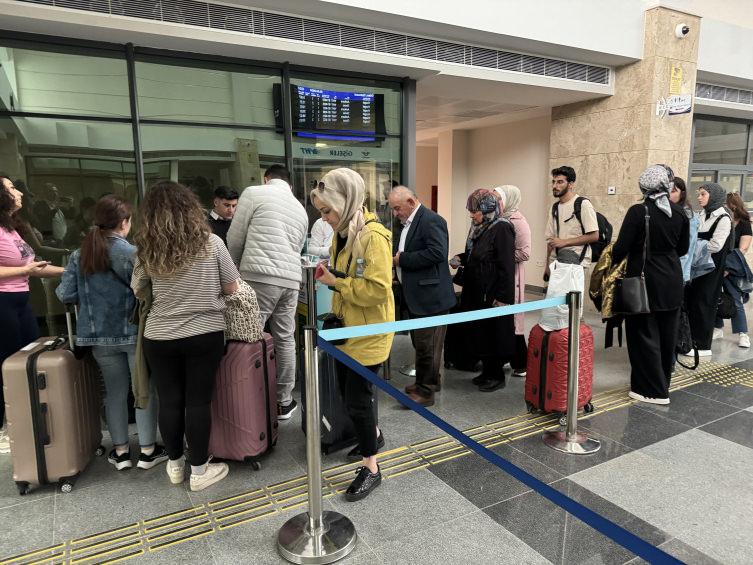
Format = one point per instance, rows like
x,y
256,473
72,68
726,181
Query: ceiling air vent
x,y
187,12
321,32
357,38
279,25
450,52
422,48
227,17
89,5
723,93
270,24
577,71
556,69
145,9
481,57
599,75
386,42
510,61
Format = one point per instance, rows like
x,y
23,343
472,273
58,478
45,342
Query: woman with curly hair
x,y
189,268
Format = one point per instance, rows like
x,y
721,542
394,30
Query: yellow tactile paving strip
x,y
163,532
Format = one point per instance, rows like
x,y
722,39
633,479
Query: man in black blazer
x,y
421,267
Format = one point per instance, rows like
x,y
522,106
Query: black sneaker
x,y
148,461
355,453
363,484
286,412
120,462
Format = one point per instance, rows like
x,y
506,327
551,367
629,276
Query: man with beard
x,y
572,224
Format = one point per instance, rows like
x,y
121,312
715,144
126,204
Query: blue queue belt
x,y
613,531
444,320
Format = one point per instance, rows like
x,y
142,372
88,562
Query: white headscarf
x,y
654,184
344,191
512,198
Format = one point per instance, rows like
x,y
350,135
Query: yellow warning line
x,y
161,532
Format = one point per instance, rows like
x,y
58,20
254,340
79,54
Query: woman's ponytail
x,y
109,213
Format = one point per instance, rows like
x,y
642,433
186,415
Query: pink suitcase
x,y
244,407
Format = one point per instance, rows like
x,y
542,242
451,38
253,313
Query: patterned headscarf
x,y
486,202
717,197
512,199
655,184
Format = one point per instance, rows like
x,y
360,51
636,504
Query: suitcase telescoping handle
x,y
70,311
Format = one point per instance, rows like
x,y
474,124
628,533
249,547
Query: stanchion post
x,y
315,537
570,440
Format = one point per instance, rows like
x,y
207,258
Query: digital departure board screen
x,y
335,112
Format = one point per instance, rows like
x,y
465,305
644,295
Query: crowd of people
x,y
184,259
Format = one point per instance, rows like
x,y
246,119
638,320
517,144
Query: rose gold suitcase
x,y
52,402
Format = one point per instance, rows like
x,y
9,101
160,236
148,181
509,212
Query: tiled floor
x,y
678,476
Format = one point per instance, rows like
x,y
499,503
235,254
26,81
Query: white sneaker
x,y
701,353
641,398
718,334
744,341
215,472
176,470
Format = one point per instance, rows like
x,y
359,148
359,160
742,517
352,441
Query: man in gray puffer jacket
x,y
265,241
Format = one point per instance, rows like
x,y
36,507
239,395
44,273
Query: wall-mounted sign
x,y
675,81
674,105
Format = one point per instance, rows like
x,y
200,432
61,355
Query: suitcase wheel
x,y
588,408
66,487
23,488
563,419
100,451
530,407
255,464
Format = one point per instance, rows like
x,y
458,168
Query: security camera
x,y
681,30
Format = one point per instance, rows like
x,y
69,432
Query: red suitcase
x,y
546,371
244,407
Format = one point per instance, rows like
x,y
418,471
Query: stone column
x,y
611,141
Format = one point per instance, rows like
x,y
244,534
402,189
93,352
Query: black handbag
x,y
725,308
330,321
685,340
631,296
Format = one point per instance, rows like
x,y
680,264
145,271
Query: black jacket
x,y
424,273
219,227
668,241
489,270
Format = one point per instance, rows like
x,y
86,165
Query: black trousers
x,y
651,340
184,370
358,394
702,298
428,343
18,327
520,357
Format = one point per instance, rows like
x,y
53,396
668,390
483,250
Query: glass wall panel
x,y
378,162
168,92
63,167
58,83
720,142
205,158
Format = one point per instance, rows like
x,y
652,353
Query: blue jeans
x,y
116,363
739,321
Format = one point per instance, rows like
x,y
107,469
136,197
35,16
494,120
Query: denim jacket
x,y
105,299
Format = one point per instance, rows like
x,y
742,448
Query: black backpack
x,y
605,229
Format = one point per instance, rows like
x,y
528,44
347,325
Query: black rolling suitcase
x,y
336,426
458,349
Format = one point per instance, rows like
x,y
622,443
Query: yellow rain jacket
x,y
365,295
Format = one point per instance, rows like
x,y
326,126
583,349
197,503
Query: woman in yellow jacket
x,y
361,276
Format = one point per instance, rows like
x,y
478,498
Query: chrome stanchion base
x,y
579,443
408,370
297,544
